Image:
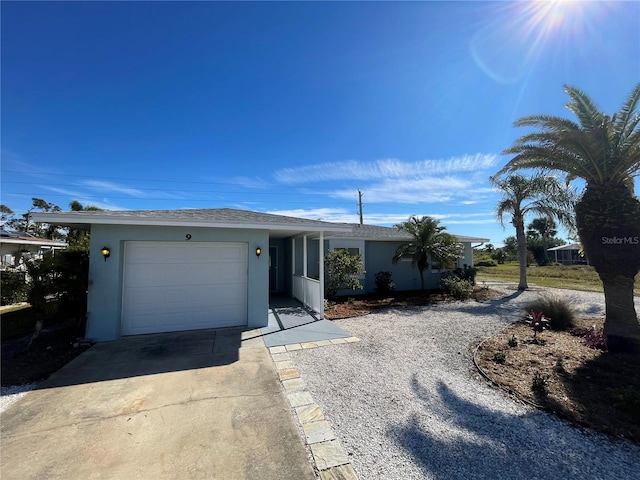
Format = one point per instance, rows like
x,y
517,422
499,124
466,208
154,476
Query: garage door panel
x,y
179,286
212,274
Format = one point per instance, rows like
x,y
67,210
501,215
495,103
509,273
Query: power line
x,y
133,198
118,178
145,189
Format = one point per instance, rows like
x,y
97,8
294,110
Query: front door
x,y
273,269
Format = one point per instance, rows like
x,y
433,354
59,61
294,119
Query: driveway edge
x,y
329,457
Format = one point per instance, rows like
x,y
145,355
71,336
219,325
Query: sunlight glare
x,y
518,33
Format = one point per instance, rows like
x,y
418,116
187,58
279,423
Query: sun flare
x,y
515,35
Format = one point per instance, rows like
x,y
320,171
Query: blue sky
x,y
290,108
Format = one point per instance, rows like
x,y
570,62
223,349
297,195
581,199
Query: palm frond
x,y
588,114
547,122
627,119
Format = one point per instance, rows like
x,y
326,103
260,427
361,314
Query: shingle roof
x,y
207,214
229,217
374,232
210,217
377,232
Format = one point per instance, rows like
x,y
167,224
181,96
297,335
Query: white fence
x,y
307,290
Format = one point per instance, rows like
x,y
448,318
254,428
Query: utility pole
x,y
360,205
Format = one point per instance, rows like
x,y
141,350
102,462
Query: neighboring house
x,y
569,254
15,247
377,245
169,270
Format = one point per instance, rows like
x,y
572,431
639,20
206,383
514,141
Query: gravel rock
x,y
10,395
406,403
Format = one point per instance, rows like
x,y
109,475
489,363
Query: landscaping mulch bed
x,y
560,373
357,305
48,353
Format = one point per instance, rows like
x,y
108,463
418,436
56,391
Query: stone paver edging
x,y
328,454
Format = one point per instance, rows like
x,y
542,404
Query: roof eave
x,y
79,219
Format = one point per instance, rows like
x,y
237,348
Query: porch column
x,y
304,256
293,267
321,270
304,268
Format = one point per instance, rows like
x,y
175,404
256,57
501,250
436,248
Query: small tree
x,y
544,229
80,238
542,194
341,270
500,255
430,243
6,214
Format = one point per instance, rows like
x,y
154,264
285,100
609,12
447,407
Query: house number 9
x,y
188,236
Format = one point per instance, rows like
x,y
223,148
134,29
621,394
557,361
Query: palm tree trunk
x,y
608,226
621,327
421,279
518,222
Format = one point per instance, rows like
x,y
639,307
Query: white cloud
x,y
249,182
113,187
459,179
384,169
83,198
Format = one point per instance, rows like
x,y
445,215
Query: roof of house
x,y
229,218
209,217
570,246
387,234
22,238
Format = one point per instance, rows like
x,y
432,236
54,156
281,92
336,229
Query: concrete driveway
x,y
189,405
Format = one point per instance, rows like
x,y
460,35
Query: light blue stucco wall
x,y
378,257
105,277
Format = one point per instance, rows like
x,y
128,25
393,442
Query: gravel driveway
x,y
406,403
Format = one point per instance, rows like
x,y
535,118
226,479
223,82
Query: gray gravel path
x,y
406,404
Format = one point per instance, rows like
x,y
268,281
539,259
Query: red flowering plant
x,y
538,322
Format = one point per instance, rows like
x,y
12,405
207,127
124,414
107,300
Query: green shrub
x,y
499,357
456,287
341,270
13,288
539,383
486,263
556,309
384,282
500,255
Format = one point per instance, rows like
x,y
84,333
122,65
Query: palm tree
x,y
544,228
79,239
540,194
430,242
604,151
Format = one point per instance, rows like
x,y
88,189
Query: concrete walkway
x,y
204,404
290,323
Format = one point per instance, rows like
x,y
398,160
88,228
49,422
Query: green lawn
x,y
575,277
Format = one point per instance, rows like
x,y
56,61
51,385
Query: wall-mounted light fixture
x,y
258,252
106,253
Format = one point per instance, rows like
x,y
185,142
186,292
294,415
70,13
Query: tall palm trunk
x,y
623,333
423,263
518,222
610,236
421,279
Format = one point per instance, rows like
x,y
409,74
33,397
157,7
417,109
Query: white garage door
x,y
171,286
